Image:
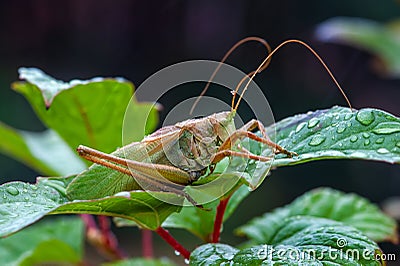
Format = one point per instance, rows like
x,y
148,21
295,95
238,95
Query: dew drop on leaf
x,y
379,141
348,116
353,138
398,144
340,129
313,122
316,140
365,117
382,151
387,128
12,190
300,127
366,142
365,135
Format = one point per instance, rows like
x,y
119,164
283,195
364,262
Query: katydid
x,y
201,143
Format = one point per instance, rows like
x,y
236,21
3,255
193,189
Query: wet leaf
x,y
299,240
349,209
55,241
22,204
339,133
139,206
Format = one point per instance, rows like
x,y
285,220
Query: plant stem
x,y
219,218
172,242
147,243
110,241
101,236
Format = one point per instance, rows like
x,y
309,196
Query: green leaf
x,y
212,254
56,241
141,262
22,204
201,222
85,112
339,133
139,206
299,240
45,152
377,38
350,209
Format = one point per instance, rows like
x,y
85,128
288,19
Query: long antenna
x,y
267,59
233,48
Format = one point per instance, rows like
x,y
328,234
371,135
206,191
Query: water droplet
x,y
4,196
382,151
367,142
348,116
313,122
177,253
365,117
340,144
380,141
25,190
26,198
387,128
33,187
187,261
398,144
341,128
353,138
365,135
316,140
300,127
12,190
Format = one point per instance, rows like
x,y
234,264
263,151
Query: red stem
x,y
147,243
172,242
219,218
110,241
101,236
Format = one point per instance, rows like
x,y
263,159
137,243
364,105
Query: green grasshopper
x,y
201,143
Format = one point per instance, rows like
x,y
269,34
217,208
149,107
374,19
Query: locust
x,y
178,155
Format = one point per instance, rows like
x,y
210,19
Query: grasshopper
x,y
178,155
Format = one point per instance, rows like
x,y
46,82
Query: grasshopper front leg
x,y
157,176
225,148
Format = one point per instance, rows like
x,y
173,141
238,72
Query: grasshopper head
x,y
225,125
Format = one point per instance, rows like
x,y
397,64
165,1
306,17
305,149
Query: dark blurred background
x,y
134,39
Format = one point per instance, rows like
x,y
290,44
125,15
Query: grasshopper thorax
x,y
198,142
